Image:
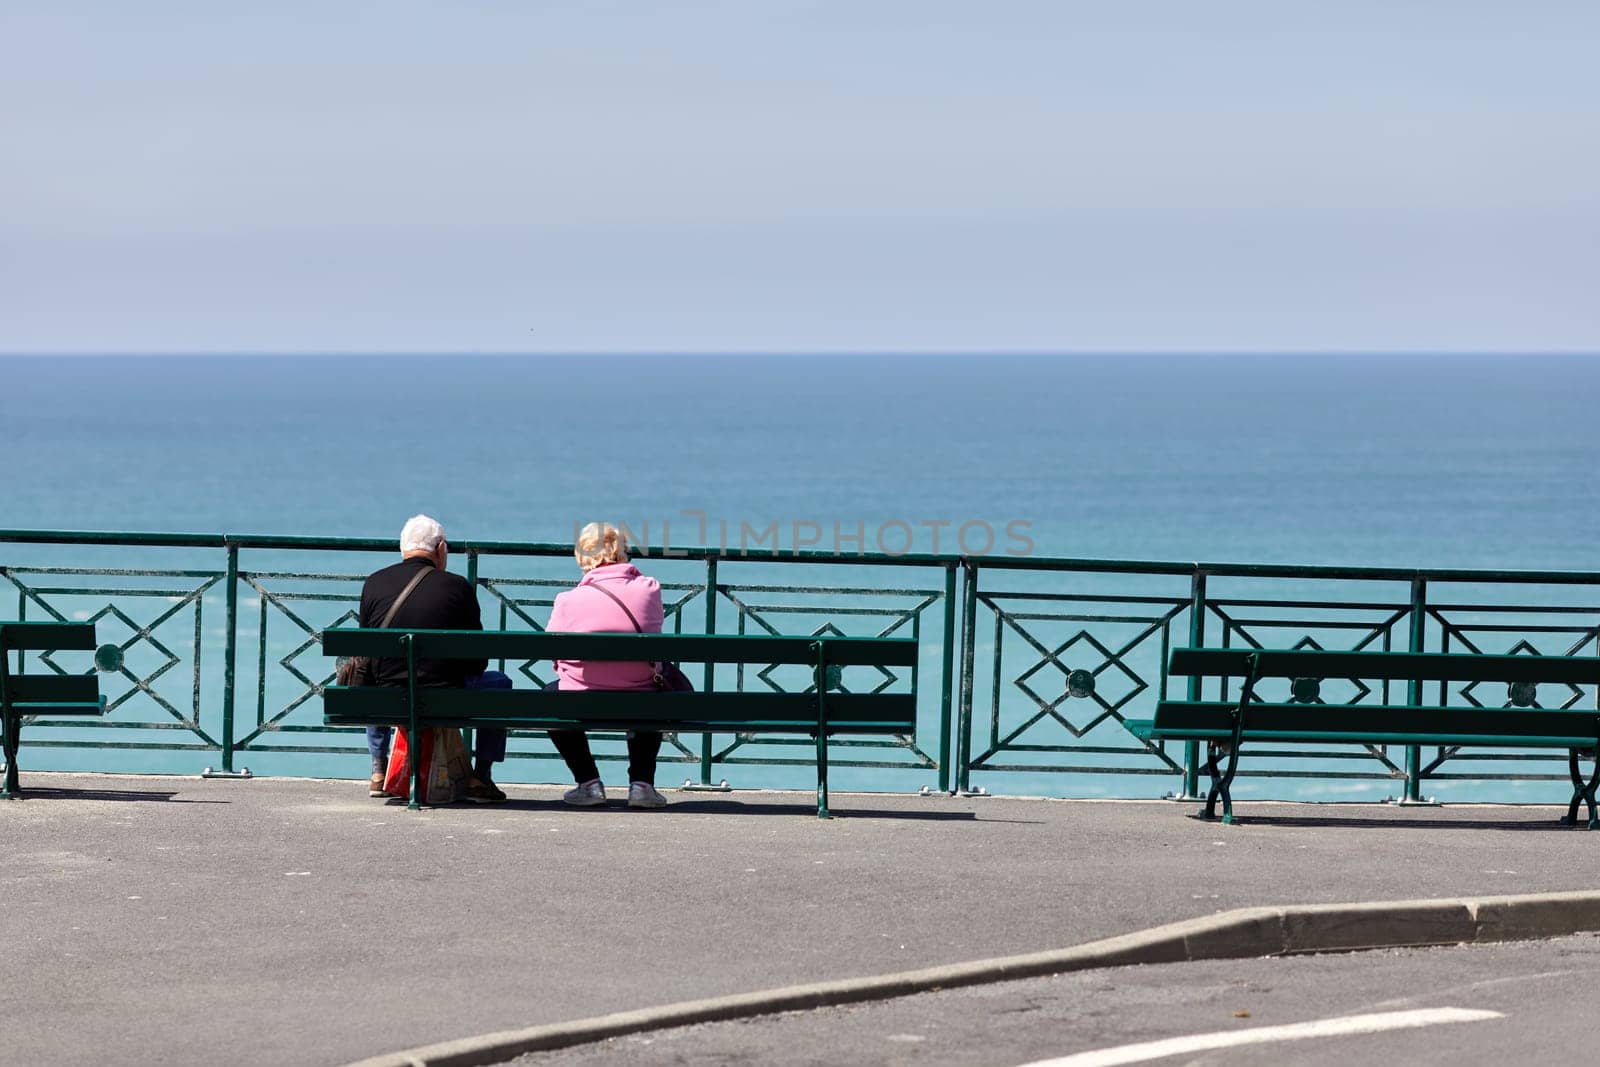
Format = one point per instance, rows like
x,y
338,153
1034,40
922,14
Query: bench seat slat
x,y
1450,740
1378,724
52,688
47,636
666,725
1391,666
56,709
847,712
691,648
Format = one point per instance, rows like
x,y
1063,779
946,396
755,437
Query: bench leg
x,y
11,789
1220,781
1220,784
415,801
822,776
820,681
1582,791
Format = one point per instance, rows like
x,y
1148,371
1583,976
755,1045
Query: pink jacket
x,y
587,611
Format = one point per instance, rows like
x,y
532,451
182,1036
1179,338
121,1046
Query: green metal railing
x,y
1097,635
279,593
1030,665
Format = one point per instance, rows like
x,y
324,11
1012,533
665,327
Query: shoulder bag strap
x,y
618,600
655,667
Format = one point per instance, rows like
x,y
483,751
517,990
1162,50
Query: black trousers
x,y
643,748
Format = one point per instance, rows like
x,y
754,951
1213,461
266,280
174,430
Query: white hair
x,y
421,534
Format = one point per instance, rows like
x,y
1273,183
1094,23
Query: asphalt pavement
x,y
272,921
1531,999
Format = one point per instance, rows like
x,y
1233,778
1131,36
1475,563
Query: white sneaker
x,y
588,795
644,795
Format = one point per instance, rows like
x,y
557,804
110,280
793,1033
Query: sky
x,y
772,175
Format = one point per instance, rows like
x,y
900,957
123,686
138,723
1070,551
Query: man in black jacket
x,y
430,597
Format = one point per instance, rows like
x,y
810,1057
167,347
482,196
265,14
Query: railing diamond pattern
x,y
1109,661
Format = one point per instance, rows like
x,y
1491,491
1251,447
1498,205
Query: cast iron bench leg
x,y
1221,780
12,788
820,677
1582,791
10,721
1220,784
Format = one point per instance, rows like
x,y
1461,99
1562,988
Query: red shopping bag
x,y
445,767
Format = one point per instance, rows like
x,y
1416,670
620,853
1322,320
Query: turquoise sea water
x,y
1407,460
1468,461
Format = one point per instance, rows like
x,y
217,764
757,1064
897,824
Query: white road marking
x,y
1337,1027
1474,987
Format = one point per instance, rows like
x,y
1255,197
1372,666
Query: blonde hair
x,y
600,543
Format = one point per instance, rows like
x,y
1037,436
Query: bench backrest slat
x,y
1392,666
691,648
46,636
1362,721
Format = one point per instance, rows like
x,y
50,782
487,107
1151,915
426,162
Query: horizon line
x,y
760,353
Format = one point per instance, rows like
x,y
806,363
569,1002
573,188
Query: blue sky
x,y
786,176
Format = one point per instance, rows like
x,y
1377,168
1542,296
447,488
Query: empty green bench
x,y
1226,726
822,711
26,695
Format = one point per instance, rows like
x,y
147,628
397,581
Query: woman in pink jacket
x,y
612,597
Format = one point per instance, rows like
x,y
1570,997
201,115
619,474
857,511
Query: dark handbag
x,y
669,677
355,670
359,670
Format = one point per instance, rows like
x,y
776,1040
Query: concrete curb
x,y
1245,932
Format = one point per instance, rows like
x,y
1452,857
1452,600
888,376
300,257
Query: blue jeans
x,y
488,745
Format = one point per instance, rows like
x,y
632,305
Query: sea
x,y
1402,460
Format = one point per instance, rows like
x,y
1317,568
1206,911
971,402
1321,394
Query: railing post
x,y
709,678
1419,606
230,664
969,612
947,656
1197,639
230,657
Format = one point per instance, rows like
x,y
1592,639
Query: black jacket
x,y
441,601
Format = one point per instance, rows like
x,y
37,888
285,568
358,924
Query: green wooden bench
x,y
822,711
1227,725
26,695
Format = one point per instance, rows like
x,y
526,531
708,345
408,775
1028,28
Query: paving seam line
x,y
1243,932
